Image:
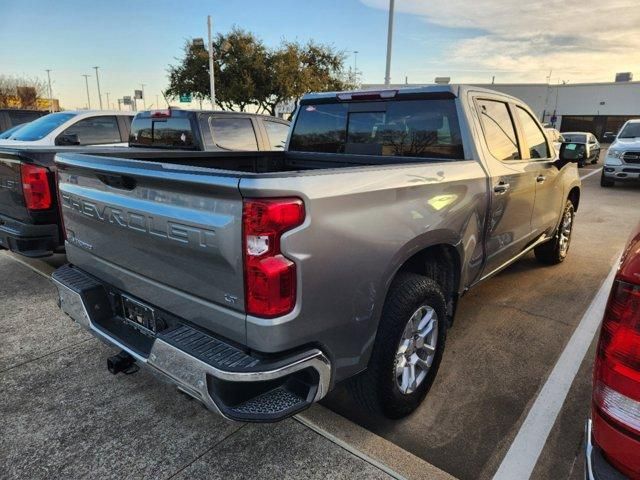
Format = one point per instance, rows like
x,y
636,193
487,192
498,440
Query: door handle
x,y
501,188
540,178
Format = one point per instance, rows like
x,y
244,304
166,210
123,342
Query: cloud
x,y
580,40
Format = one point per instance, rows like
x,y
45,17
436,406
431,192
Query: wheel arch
x,y
441,262
574,196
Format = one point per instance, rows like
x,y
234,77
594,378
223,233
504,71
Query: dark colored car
x,y
588,144
613,432
11,117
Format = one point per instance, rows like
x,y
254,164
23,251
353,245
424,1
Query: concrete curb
x,y
375,450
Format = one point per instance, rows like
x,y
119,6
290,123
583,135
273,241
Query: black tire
x,y
376,389
582,163
606,182
552,252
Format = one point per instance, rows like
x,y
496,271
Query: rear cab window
x,y
167,129
422,128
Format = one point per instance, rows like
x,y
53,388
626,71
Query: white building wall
x,y
620,98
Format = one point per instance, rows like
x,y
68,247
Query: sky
x,y
133,42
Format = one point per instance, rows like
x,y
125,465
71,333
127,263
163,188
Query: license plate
x,y
139,314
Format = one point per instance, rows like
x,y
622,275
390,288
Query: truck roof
x,y
456,90
89,113
217,112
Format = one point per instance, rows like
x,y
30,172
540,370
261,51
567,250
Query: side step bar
x,y
225,378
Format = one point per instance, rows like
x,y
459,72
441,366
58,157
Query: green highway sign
x,y
185,97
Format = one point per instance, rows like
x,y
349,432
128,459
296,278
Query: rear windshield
x,y
405,128
574,137
172,132
41,127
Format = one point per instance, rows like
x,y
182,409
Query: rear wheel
x,y
604,181
555,251
408,348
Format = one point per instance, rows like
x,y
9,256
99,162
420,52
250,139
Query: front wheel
x,y
408,348
606,182
555,250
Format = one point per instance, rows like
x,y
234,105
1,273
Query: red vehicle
x,y
613,433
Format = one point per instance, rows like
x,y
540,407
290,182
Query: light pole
x,y
86,81
107,94
387,76
212,81
98,83
144,101
50,91
355,66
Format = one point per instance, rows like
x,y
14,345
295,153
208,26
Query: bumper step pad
x,y
208,349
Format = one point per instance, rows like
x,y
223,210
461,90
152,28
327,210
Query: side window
x,y
234,133
536,140
277,133
499,130
95,130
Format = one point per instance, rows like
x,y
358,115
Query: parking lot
x,y
64,415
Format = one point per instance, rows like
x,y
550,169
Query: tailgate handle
x,y
121,182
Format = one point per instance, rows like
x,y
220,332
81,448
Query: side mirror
x,y
572,152
67,139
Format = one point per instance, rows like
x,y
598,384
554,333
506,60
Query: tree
x,y
248,73
295,69
20,92
191,75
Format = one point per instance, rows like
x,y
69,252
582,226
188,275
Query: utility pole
x,y
144,101
387,76
119,104
355,66
50,91
98,83
212,80
107,94
86,81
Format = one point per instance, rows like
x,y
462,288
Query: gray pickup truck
x,y
257,283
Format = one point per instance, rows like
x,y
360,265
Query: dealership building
x,y
588,107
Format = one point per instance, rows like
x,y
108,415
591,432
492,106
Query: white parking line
x,y
590,173
523,454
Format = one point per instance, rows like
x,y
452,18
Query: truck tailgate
x,y
169,234
11,197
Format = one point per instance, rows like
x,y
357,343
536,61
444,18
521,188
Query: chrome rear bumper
x,y
198,378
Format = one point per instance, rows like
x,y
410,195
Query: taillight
x,y
35,186
617,371
270,277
